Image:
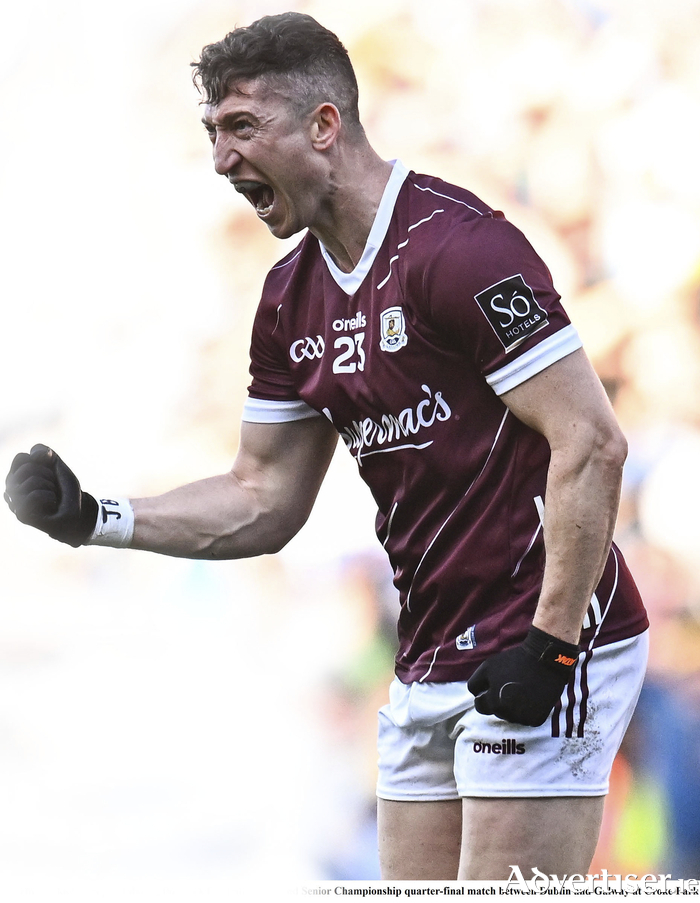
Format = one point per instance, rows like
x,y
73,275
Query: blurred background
x,y
189,725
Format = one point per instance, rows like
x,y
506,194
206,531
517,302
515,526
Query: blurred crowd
x,y
580,119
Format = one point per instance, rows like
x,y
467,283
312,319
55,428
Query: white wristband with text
x,y
115,524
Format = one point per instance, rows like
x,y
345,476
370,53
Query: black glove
x,y
42,492
523,684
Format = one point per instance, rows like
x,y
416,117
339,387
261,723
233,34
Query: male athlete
x,y
418,324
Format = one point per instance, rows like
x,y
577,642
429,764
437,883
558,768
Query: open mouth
x,y
260,195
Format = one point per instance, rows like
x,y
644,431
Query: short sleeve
x,y
271,379
272,397
492,295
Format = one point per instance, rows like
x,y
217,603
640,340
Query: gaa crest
x,y
393,328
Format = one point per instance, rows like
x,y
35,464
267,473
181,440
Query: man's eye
x,y
242,126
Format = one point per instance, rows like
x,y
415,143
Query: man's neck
x,y
349,213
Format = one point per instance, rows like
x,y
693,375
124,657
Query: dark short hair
x,y
291,52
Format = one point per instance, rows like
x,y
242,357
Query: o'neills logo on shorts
x,y
506,747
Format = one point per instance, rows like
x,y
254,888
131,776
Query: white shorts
x,y
434,745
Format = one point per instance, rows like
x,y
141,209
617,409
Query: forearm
x,y
254,509
580,513
217,518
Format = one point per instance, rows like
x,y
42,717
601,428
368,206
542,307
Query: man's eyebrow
x,y
226,119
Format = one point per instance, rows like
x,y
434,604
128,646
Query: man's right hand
x,y
44,493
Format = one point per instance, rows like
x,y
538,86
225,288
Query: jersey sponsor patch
x,y
393,329
512,310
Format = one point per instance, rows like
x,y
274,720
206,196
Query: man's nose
x,y
225,155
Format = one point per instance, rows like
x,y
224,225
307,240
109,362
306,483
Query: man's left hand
x,y
523,684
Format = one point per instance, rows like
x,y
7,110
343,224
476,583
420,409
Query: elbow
x,y
264,526
266,535
612,448
273,542
276,544
283,532
604,457
600,450
228,548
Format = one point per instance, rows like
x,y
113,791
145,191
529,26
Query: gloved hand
x,y
523,684
44,493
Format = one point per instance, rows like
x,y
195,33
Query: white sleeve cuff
x,y
532,362
261,410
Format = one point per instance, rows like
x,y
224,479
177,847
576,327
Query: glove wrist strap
x,y
115,524
550,650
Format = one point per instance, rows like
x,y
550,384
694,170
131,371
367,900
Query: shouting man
x,y
421,326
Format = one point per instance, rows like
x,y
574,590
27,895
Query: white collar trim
x,y
350,282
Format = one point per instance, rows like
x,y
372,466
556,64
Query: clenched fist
x,y
44,493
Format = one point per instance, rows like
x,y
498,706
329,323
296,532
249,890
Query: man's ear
x,y
325,126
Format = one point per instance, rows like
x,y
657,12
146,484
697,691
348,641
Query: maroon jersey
x,y
407,356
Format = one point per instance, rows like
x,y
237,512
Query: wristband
x,y
550,650
115,524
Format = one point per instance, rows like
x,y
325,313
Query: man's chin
x,y
283,230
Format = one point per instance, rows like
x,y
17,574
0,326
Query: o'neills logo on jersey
x,y
512,310
507,747
371,437
359,321
393,329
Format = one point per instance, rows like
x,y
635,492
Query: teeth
x,y
265,199
260,195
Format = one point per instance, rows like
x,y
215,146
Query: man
x,y
421,326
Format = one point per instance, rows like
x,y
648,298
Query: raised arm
x,y
254,509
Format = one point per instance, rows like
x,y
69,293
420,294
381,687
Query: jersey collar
x,y
350,282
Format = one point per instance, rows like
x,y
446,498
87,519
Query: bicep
x,y
567,404
283,464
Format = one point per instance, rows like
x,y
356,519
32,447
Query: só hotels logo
x,y
512,309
